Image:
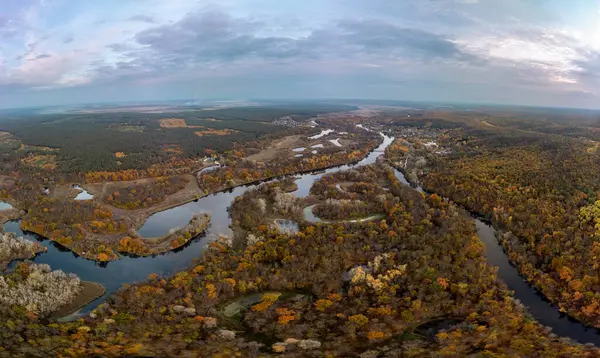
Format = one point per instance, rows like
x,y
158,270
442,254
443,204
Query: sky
x,y
530,52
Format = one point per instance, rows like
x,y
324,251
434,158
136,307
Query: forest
x,y
88,142
411,281
241,171
351,194
16,248
539,188
147,194
415,282
73,224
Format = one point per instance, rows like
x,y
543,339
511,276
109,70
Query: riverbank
x,y
172,241
99,247
90,291
110,243
103,193
9,215
539,306
215,176
128,271
13,248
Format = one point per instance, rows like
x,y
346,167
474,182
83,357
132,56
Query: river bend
x,y
130,270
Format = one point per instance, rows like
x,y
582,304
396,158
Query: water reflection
x,y
111,275
540,308
130,269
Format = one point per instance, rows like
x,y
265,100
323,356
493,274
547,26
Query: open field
x,y
289,147
285,144
175,123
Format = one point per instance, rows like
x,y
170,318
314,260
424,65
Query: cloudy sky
x,y
538,52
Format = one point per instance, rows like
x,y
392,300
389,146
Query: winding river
x,y
129,270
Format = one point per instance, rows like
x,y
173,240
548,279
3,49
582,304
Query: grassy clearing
x,y
42,161
175,123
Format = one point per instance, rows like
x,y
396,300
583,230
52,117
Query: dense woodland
x,y
351,194
88,142
542,190
147,194
344,209
258,207
413,284
72,223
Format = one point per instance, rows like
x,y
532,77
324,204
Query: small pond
x,y
5,206
84,195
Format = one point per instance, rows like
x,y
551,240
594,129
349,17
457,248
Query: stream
x,y
130,270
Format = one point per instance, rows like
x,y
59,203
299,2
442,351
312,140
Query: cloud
x,y
143,18
211,38
42,56
553,55
378,36
9,28
473,48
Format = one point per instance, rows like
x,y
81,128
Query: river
x,y
130,270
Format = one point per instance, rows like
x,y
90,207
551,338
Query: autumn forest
x,y
298,230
